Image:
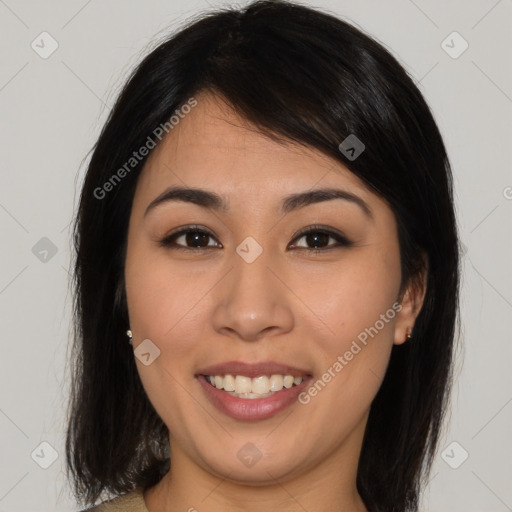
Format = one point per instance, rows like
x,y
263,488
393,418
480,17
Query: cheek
x,y
353,354
352,297
165,302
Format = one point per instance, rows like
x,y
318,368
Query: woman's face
x,y
250,293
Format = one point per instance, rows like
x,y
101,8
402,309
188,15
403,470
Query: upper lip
x,y
252,369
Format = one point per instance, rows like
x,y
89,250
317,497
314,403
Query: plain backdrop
x,y
52,108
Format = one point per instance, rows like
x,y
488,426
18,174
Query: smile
x,y
262,386
251,406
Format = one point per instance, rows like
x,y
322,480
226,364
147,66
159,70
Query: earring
x,y
409,335
130,336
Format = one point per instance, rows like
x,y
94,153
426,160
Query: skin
x,y
290,305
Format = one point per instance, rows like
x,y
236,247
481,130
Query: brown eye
x,y
317,237
189,238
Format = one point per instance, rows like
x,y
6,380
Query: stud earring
x,y
130,336
409,335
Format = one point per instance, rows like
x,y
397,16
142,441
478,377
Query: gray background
x,y
51,113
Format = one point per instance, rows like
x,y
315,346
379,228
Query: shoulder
x,y
131,502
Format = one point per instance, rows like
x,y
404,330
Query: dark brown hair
x,y
296,74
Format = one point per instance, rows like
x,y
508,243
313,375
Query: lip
x,y
252,370
254,409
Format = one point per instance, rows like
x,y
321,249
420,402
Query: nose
x,y
253,300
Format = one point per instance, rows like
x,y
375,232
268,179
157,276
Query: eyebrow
x,y
213,201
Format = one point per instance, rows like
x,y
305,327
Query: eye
x,y
319,236
193,235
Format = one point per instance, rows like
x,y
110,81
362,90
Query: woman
x,y
266,276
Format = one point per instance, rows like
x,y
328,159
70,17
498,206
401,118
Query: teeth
x,y
245,387
276,383
260,385
242,384
288,381
229,383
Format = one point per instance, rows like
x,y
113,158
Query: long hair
x,y
297,74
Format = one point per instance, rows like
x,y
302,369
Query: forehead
x,y
214,147
214,123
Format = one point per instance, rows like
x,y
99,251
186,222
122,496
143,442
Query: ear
x,y
411,300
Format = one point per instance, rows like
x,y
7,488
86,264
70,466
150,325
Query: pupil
x,y
313,238
195,236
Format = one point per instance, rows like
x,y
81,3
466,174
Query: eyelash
x,y
169,240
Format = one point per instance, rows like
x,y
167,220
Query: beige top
x,y
131,502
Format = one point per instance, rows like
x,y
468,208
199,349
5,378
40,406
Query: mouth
x,y
252,391
263,386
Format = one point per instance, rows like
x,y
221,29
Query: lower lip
x,y
252,409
